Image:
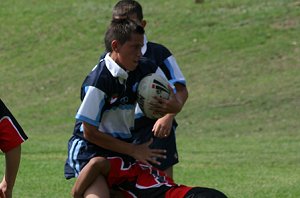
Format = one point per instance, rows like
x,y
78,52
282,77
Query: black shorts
x,y
144,134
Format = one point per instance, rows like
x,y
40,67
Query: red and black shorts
x,y
137,180
11,133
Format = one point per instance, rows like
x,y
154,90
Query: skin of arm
x,y
169,108
12,160
140,152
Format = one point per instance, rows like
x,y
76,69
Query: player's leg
x,y
90,176
80,153
98,189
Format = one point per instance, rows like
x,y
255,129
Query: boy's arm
x,y
181,94
12,159
170,108
140,152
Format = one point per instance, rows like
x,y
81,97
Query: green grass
x,y
239,130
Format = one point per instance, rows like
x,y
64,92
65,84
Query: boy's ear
x,y
115,45
144,23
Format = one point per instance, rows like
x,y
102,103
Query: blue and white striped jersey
x,y
164,59
108,96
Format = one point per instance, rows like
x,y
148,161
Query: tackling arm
x,y
140,152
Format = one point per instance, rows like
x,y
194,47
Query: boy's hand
x,y
162,127
164,106
4,191
144,154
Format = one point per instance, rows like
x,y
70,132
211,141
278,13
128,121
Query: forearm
x,y
181,94
106,141
181,97
12,159
140,152
173,105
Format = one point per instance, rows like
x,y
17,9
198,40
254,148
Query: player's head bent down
x,y
129,9
200,192
124,40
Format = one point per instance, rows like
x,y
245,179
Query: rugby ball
x,y
150,86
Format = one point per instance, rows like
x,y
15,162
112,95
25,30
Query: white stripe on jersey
x,y
175,72
111,121
90,108
90,112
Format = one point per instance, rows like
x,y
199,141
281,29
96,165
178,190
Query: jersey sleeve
x,y
91,106
176,75
163,58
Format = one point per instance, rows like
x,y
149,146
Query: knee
x,y
100,163
97,162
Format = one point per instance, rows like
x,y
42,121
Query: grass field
x,y
239,131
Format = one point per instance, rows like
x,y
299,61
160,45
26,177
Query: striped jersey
x,y
108,96
164,59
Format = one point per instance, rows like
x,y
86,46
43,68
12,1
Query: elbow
x,y
186,94
87,133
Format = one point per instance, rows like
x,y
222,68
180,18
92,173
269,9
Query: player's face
x,y
129,53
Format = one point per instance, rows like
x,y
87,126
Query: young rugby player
x,y
161,130
106,115
11,138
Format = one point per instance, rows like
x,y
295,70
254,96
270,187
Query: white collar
x,y
144,48
115,69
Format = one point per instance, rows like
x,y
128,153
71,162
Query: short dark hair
x,y
125,8
121,30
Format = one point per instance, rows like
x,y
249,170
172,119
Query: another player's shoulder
x,y
155,45
158,48
146,65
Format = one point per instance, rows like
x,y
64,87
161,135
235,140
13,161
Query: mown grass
x,y
239,131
